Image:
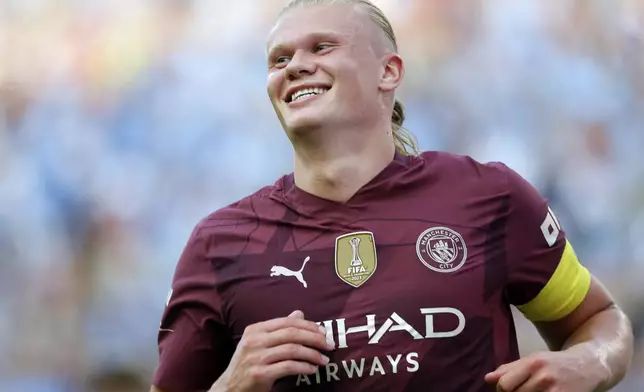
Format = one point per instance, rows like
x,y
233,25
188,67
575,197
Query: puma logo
x,y
278,270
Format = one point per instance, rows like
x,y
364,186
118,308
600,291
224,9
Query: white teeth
x,y
307,92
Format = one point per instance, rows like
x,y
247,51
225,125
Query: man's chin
x,y
300,124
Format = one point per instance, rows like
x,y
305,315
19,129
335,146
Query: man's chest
x,y
367,279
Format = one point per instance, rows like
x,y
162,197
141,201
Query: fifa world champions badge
x,y
355,257
441,249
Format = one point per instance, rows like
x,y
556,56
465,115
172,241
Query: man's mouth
x,y
305,93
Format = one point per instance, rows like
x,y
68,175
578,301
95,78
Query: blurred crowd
x,y
124,123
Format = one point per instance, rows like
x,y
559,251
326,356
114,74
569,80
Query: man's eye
x,y
282,60
322,47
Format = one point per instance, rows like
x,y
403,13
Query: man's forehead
x,y
311,22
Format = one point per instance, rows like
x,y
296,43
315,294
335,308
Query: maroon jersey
x,y
413,277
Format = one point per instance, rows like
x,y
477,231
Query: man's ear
x,y
393,72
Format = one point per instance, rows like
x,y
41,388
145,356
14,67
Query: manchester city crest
x,y
441,249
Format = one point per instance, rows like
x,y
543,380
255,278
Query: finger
x,y
294,352
298,336
514,378
286,322
285,368
493,377
539,382
297,314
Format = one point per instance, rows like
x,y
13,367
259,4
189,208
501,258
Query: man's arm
x,y
593,346
270,350
598,332
590,337
195,345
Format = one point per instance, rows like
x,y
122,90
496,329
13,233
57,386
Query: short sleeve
x,y
194,345
545,279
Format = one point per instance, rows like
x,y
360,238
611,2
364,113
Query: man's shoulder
x,y
464,166
241,212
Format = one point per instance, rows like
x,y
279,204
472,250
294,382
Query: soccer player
x,y
373,267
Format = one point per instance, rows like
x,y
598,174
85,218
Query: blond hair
x,y
404,140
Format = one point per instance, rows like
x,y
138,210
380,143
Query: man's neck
x,y
337,174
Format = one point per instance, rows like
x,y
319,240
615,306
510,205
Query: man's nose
x,y
301,64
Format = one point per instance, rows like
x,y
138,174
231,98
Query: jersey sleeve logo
x,y
355,257
441,249
550,228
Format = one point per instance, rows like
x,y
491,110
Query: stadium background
x,y
123,123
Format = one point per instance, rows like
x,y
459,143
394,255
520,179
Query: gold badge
x,y
355,257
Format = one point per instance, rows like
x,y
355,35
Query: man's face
x,y
324,67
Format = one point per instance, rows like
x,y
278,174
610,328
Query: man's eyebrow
x,y
276,49
318,36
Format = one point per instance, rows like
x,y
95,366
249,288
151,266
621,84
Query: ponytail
x,y
404,140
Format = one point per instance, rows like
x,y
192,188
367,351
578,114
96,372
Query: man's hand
x,y
560,371
274,349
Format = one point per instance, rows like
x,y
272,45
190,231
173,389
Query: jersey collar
x,y
288,193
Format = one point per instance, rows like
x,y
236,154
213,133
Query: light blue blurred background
x,y
122,123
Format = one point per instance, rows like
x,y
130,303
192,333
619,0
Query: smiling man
x,y
373,267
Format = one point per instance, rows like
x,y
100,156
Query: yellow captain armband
x,y
563,293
